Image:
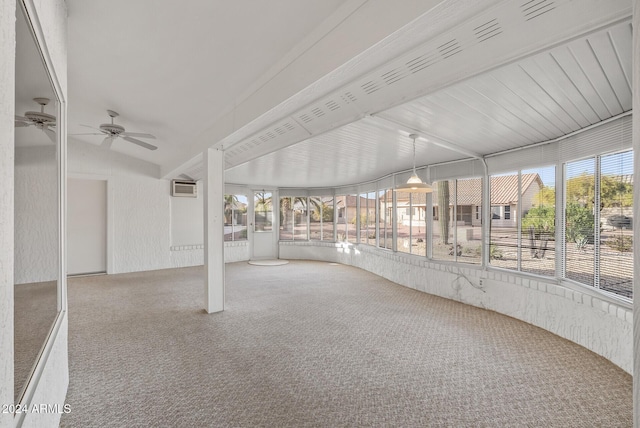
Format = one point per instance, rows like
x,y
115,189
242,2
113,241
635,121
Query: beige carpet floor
x,y
312,344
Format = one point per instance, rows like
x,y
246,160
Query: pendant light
x,y
414,183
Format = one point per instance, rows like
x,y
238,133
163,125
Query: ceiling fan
x,y
113,131
39,119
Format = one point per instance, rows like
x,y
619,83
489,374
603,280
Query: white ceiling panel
x,y
356,152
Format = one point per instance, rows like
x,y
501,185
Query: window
x,y
525,243
580,187
616,218
412,227
458,240
235,217
321,218
293,218
263,212
385,227
367,218
503,247
537,221
598,221
442,234
372,218
347,220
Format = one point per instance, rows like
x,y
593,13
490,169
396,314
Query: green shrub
x,y
622,243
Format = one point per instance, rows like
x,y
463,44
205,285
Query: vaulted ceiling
x,y
324,93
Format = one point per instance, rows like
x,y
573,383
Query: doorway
x,y
264,244
86,226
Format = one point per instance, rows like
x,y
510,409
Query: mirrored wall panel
x,y
36,262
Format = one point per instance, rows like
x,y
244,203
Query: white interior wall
x,y
36,222
147,228
187,220
7,112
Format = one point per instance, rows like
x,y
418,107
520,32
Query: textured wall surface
x,y
7,95
138,218
36,219
193,255
596,324
139,208
141,212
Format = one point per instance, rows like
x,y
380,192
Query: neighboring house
x,y
468,201
504,197
346,207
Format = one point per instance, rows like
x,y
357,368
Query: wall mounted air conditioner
x,y
184,188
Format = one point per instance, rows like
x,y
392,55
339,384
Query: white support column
x,y
214,229
636,218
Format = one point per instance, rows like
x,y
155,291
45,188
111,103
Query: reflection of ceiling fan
x,y
113,131
39,119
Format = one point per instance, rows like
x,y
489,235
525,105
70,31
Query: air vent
x,y
289,127
184,189
393,76
305,118
422,62
332,105
370,87
487,30
450,48
534,8
318,112
348,97
280,131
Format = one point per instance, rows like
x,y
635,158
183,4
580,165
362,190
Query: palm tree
x,y
230,203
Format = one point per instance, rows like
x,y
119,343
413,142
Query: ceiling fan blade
x,y
137,134
93,127
22,118
50,133
107,142
21,124
140,143
91,133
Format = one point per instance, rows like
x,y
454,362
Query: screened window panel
x,y
616,219
468,221
362,220
419,224
580,221
300,206
342,225
286,218
503,247
371,219
442,233
538,219
403,214
352,218
385,228
321,218
235,217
